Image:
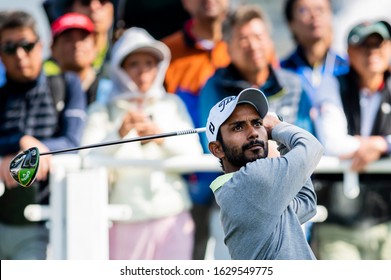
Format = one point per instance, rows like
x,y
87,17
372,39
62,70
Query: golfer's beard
x,y
237,157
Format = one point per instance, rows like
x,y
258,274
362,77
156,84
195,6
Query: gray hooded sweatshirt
x,y
265,202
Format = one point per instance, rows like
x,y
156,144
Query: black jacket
x,y
373,205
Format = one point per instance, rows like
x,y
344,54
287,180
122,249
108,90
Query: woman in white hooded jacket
x,y
160,226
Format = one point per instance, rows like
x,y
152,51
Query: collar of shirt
x,y
191,40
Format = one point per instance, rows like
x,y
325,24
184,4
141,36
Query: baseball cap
x,y
71,21
224,108
361,31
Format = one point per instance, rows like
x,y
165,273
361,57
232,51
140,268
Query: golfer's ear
x,y
216,149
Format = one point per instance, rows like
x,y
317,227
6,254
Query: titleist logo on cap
x,y
225,101
222,106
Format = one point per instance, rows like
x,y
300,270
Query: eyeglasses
x,y
11,48
88,2
306,12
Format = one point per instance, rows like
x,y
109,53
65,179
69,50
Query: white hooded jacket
x,y
137,39
151,193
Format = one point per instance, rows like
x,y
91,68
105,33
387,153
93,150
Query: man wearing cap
x,y
101,12
359,223
68,24
28,118
264,201
73,49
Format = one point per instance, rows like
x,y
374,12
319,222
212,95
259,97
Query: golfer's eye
x,y
257,123
237,127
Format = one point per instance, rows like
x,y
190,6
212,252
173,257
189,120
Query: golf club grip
x,y
141,138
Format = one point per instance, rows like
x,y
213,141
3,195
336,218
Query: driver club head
x,y
24,167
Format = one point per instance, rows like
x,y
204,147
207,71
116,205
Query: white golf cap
x,y
224,108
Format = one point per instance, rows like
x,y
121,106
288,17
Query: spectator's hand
x,y
5,174
371,148
27,142
129,122
269,122
148,128
142,123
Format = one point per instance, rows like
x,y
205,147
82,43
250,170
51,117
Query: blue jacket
x,y
311,78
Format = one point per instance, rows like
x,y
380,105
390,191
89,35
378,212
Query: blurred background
x,y
161,18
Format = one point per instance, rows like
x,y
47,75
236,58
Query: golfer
x,y
263,200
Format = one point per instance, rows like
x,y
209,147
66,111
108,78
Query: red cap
x,y
72,21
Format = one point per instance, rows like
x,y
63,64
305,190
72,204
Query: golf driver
x,y
24,166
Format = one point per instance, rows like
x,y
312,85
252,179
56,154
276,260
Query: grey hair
x,y
241,15
17,19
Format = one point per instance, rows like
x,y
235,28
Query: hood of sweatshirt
x,y
137,39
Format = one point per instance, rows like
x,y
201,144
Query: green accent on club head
x,y
24,167
25,176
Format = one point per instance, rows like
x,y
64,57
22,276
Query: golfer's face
x,y
244,137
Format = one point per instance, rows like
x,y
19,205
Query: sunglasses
x,y
88,2
11,48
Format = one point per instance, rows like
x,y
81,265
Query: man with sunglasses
x,y
29,118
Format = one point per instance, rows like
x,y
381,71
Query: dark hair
x,y
67,4
241,15
387,25
288,10
3,15
17,19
